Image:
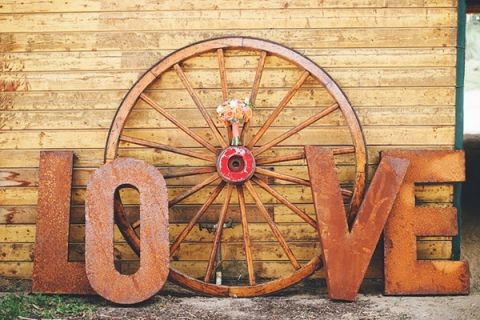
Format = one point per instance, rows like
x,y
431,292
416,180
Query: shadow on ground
x,y
471,209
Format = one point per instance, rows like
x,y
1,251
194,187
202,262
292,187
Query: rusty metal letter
x,y
346,254
404,274
52,273
155,254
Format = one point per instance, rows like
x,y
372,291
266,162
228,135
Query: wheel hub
x,y
236,164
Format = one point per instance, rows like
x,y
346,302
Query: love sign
x,y
346,249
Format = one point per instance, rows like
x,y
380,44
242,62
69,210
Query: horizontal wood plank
x,y
172,40
151,119
111,99
237,78
93,158
228,20
29,177
235,59
181,213
376,135
231,251
12,6
25,196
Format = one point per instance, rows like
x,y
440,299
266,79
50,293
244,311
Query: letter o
x,y
155,255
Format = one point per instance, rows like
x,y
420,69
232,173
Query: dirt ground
x,y
300,306
307,300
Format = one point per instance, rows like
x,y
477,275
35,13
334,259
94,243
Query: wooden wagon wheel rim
x,y
265,47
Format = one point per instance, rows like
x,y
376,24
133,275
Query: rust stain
x,y
52,273
404,274
9,218
41,137
9,85
12,82
11,179
11,77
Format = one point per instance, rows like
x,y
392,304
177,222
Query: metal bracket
x,y
211,227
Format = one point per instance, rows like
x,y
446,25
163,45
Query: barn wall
x,y
65,66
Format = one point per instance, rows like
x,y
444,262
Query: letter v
x,y
346,254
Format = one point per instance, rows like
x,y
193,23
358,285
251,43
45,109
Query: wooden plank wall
x,y
65,66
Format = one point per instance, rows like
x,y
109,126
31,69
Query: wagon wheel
x,y
222,160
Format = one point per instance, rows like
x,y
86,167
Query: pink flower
x,y
229,114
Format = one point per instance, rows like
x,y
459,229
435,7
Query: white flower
x,y
247,101
220,109
233,103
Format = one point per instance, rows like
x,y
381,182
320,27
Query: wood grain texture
x,y
396,65
231,20
141,60
208,79
110,99
171,40
10,6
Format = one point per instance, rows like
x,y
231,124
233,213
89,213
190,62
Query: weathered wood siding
x,y
65,66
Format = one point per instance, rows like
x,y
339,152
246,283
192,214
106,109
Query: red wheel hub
x,y
236,164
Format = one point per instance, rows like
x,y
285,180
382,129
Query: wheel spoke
x,y
344,150
278,109
218,234
287,203
276,232
201,107
229,133
223,77
258,77
223,82
173,120
186,194
299,156
288,157
246,236
127,230
285,177
255,87
151,144
244,130
136,224
297,129
188,172
195,218
193,190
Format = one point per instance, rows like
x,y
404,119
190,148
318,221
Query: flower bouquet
x,y
234,112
